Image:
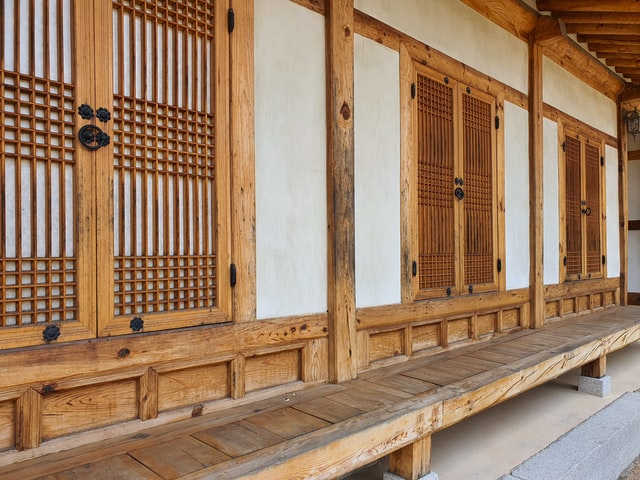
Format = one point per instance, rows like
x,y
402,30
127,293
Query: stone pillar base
x,y
393,476
600,387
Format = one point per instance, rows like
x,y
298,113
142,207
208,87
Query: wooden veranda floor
x,y
328,430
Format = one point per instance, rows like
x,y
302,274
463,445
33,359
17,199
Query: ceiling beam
x,y
619,39
588,5
604,28
606,48
623,62
599,17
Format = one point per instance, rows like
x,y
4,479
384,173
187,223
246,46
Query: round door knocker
x,y
459,193
93,138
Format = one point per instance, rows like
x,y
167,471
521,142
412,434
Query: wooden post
x,y
595,369
148,395
536,218
623,207
340,190
413,461
28,415
242,131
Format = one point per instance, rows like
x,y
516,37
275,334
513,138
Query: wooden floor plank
x,y
288,422
491,355
119,467
238,438
436,377
176,458
406,384
329,410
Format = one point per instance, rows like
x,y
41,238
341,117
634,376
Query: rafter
x,y
617,40
605,47
600,17
603,28
588,5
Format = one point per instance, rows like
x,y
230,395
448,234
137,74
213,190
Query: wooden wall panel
x,y
511,319
272,369
458,330
585,296
568,306
193,385
88,407
596,300
582,304
7,425
486,324
386,344
427,336
552,309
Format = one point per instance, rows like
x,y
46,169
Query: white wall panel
x,y
551,204
613,231
377,173
291,217
458,31
516,134
571,95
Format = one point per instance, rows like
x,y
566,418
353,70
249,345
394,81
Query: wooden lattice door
x,y
47,288
132,224
167,178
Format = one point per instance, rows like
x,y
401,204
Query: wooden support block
x,y
238,389
28,414
595,369
148,395
413,461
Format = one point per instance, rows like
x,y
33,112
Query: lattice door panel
x,y
479,266
164,158
436,214
39,171
573,205
592,207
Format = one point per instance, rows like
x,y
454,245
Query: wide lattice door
x,y
166,172
436,209
479,201
46,289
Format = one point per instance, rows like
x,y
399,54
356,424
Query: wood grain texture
x,y
341,189
413,461
28,416
7,425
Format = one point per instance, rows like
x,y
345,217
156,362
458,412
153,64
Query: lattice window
x,y
38,281
573,201
164,156
478,183
436,218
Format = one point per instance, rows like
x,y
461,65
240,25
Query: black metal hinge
x,y
414,268
602,161
413,90
564,261
231,20
232,275
604,259
497,122
499,265
564,146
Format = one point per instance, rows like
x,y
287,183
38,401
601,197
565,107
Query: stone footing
x,y
600,387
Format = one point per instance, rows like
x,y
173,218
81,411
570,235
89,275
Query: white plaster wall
x,y
571,95
291,217
634,235
377,173
551,204
516,174
613,231
458,31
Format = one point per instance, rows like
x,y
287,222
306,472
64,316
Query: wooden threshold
x,y
330,430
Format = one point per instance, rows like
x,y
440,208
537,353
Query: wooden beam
x,y
340,190
588,5
549,31
413,461
604,28
633,155
629,95
242,131
600,17
536,149
623,204
514,16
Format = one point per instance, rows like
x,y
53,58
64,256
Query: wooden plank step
x,y
121,466
238,438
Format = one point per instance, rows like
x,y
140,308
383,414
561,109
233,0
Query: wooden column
x,y
340,190
536,149
623,207
242,132
148,395
595,369
413,461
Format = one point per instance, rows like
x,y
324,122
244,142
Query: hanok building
x,y
285,238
